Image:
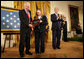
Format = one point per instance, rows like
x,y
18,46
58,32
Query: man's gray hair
x,y
26,3
56,8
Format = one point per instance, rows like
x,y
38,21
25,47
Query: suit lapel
x,y
26,16
25,13
55,16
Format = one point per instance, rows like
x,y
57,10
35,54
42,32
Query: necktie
x,y
28,16
56,16
29,19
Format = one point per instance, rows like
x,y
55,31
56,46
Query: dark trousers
x,y
56,34
24,40
65,35
39,38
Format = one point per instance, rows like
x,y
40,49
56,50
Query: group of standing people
x,y
39,30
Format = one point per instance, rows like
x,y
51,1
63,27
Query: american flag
x,y
10,19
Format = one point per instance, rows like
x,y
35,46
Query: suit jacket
x,y
60,23
24,21
56,24
42,26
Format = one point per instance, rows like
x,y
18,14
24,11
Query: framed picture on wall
x,y
74,18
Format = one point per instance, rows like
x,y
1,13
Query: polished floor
x,y
71,49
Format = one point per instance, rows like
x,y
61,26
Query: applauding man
x,y
56,28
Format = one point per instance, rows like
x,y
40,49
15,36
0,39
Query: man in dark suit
x,y
25,29
56,29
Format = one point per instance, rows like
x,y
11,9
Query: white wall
x,y
7,4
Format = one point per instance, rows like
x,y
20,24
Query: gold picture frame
x,y
70,16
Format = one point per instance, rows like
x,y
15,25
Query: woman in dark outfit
x,y
65,30
39,31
